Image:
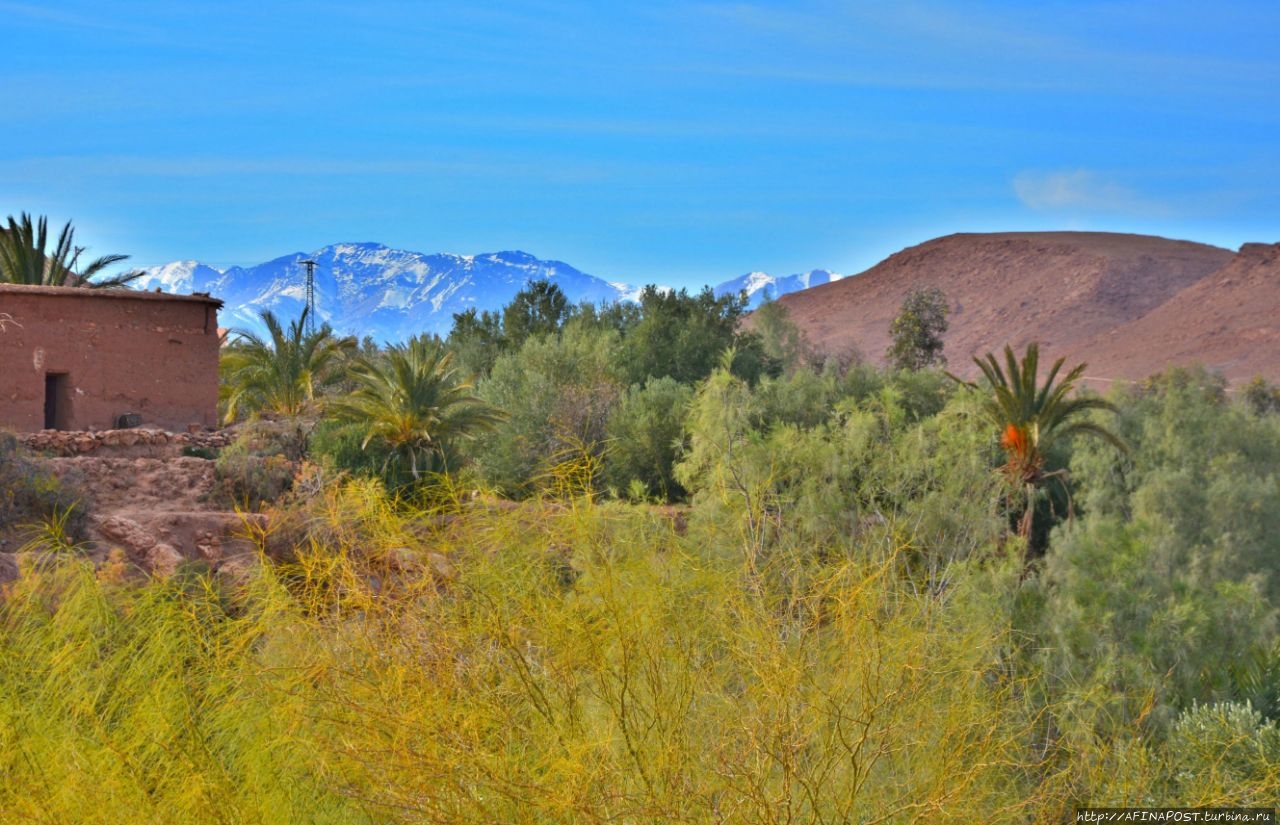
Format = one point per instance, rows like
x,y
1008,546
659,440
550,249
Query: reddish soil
x,y
161,509
1229,321
1130,305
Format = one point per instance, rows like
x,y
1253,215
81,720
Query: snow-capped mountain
x,y
761,286
178,277
392,294
370,289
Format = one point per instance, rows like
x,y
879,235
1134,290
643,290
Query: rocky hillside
x,y
1229,320
1130,305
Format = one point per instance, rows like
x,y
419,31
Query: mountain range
x,y
391,294
1129,305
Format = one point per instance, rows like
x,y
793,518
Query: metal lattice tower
x,y
311,295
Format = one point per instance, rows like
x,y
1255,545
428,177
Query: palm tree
x,y
414,401
1030,417
26,259
282,373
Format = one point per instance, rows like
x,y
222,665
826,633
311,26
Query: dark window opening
x,y
57,402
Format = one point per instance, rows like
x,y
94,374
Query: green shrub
x,y
32,496
260,465
644,433
1225,753
1165,590
558,392
339,446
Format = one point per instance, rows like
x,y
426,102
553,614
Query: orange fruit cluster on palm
x,y
1025,463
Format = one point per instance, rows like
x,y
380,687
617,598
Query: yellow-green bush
x,y
570,662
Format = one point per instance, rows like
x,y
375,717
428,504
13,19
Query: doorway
x,y
57,401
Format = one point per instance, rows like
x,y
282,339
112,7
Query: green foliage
x,y
917,330
561,665
26,259
1261,396
1137,638
1165,592
666,334
644,434
412,402
282,374
260,465
558,392
783,344
1202,473
679,335
923,393
789,470
31,497
834,629
161,710
1031,418
340,446
476,338
540,308
55,532
1225,754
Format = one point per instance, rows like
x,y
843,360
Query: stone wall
x,y
141,442
78,359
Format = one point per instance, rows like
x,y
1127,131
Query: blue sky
x,y
670,142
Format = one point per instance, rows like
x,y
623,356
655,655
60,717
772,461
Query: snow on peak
x,y
756,281
372,289
760,286
175,277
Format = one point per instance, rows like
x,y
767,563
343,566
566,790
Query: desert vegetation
x,y
640,564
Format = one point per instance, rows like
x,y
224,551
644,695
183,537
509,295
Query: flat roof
x,y
114,294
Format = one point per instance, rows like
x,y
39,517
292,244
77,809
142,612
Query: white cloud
x,y
1081,190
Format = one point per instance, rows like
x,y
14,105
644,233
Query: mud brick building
x,y
91,359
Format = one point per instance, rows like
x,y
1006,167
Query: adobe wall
x,y
103,353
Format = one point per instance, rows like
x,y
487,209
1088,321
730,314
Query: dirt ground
x,y
158,508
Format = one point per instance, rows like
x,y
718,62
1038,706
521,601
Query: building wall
x,y
99,354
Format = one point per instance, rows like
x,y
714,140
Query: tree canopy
x,y
1031,416
917,331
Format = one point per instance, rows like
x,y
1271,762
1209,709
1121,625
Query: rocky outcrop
x,y
152,497
160,542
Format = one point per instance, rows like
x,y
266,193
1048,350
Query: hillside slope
x,y
1229,321
1063,289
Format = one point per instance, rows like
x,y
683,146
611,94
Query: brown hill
x,y
1063,289
1229,321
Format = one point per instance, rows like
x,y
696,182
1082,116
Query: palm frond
x,y
25,258
414,401
284,372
